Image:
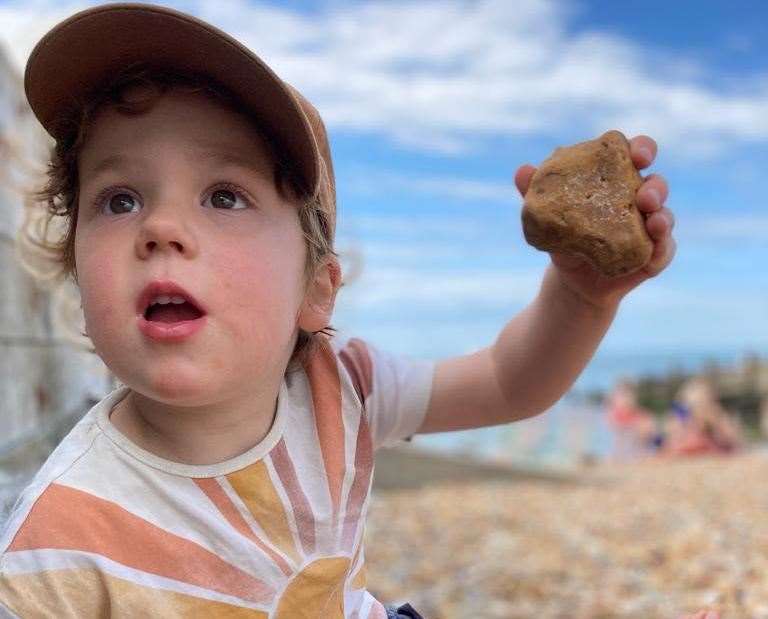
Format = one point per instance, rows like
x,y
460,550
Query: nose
x,y
163,232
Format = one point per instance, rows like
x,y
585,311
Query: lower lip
x,y
170,331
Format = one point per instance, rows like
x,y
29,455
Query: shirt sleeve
x,y
394,390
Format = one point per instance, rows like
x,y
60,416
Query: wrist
x,y
555,289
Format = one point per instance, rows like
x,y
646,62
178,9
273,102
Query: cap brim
x,y
81,53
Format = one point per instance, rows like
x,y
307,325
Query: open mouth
x,y
171,309
168,313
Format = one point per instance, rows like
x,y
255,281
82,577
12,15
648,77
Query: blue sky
x,y
431,107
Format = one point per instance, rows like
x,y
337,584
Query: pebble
x,y
654,538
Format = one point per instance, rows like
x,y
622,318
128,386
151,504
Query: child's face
x,y
181,164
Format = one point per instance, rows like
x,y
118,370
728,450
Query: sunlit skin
x,y
212,396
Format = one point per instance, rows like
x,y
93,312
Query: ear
x,y
320,297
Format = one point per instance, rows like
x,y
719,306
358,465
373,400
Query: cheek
x,y
264,282
98,280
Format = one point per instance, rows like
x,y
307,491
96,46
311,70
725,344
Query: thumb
x,y
523,178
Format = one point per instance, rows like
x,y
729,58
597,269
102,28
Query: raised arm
x,y
539,354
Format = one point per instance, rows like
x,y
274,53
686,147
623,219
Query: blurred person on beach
x,y
230,471
764,418
634,427
702,614
699,425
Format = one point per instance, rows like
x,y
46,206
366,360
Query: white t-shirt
x,y
109,529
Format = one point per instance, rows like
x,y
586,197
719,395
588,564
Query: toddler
x,y
229,475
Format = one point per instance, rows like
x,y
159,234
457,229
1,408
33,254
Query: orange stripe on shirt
x,y
357,360
69,519
302,510
360,485
323,375
213,490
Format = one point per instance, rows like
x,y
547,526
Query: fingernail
x,y
655,195
645,153
710,615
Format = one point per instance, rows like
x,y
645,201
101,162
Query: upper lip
x,y
165,287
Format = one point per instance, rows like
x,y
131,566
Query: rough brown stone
x,y
581,201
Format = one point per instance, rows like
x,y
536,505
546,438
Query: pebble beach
x,y
647,539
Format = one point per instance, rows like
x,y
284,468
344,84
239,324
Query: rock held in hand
x,y
581,202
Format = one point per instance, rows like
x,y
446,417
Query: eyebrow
x,y
207,154
230,158
117,160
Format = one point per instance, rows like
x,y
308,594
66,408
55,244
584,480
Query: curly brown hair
x,y
60,193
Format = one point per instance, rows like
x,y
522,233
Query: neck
x,y
197,435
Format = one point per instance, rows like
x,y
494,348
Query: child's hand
x,y
702,614
584,279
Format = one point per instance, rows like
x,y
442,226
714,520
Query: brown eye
x,y
121,203
221,198
228,198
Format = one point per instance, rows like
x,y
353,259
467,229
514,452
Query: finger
x,y
660,223
643,151
663,253
653,193
523,178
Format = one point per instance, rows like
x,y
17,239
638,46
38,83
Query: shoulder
x,y
54,519
356,358
55,553
68,492
47,550
340,367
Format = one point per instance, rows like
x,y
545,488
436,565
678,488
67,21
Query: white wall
x,y
46,382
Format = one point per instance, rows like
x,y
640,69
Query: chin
x,y
174,384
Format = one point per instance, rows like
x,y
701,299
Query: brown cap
x,y
83,52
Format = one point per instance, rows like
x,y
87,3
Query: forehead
x,y
190,124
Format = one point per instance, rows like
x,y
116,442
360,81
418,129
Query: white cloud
x,y
691,227
663,297
430,284
439,76
429,288
372,181
410,253
738,228
409,227
22,24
